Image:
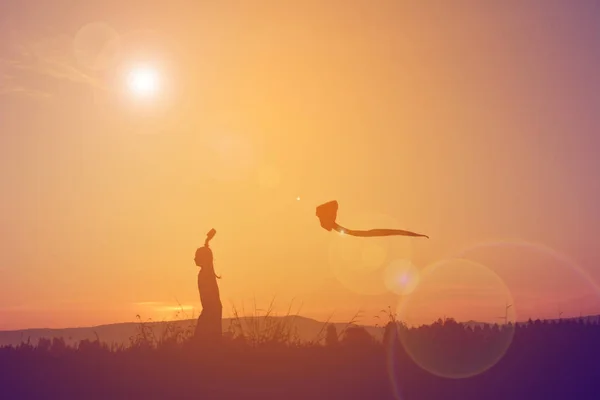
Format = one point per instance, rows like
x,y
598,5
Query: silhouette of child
x,y
208,328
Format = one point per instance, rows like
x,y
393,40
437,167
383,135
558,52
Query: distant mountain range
x,y
304,328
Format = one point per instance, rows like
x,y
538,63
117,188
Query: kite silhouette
x,y
327,214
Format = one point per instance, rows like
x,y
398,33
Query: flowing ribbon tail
x,y
378,232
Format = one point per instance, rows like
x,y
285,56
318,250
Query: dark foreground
x,y
543,361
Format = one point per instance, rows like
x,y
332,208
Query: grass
x,y
259,327
262,357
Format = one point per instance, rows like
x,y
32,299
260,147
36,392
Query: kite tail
x,y
378,232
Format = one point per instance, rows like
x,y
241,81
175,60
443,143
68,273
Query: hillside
x,y
305,328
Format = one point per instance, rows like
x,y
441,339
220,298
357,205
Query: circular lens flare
x,y
358,262
97,46
544,281
401,277
459,319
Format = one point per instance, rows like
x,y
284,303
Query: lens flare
x,y
543,280
401,277
449,292
97,46
358,263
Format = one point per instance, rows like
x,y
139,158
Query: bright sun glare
x,y
143,81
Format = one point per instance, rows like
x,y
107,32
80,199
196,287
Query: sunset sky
x,y
473,122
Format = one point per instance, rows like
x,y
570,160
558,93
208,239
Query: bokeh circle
x,y
546,283
457,321
97,46
358,262
401,277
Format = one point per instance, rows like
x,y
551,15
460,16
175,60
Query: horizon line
x,y
301,316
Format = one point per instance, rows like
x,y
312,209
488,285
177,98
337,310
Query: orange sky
x,y
469,123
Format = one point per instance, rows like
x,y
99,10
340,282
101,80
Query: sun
x,y
143,81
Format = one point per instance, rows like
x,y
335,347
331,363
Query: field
x,y
266,360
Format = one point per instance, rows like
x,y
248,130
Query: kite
x,y
327,214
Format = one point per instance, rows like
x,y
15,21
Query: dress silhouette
x,y
208,328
